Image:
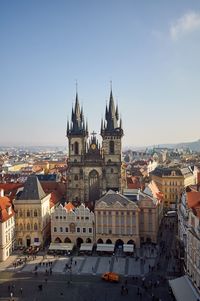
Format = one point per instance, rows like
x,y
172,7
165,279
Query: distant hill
x,y
193,146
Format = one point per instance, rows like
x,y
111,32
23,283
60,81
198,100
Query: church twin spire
x,y
110,126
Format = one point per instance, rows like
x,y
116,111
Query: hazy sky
x,y
149,49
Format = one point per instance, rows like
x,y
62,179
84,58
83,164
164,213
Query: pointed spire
x,y
106,113
117,112
101,124
120,123
86,127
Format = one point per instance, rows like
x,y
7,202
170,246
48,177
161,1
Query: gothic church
x,y
93,169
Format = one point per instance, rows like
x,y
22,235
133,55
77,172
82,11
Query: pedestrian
x,y
21,290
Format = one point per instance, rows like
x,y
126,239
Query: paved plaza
x,y
78,265
144,275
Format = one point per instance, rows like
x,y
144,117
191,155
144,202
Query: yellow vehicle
x,y
110,277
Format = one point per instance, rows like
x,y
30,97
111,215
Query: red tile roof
x,y
193,198
5,203
69,207
155,191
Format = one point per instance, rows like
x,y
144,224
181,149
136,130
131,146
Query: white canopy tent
x,y
105,247
61,246
128,248
183,289
86,247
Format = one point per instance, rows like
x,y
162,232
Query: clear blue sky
x,y
149,49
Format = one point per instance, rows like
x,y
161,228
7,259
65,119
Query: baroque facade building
x,y
93,168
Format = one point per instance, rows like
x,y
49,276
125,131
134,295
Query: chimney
x,y
1,193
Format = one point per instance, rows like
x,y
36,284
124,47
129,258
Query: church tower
x,y
93,169
77,133
112,132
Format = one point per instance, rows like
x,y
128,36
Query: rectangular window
x,y
77,229
90,230
84,230
66,229
55,229
61,229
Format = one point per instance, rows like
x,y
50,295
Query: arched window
x,y
76,148
112,147
20,213
35,212
28,213
35,227
28,227
76,178
20,227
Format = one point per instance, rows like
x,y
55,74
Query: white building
x,y
72,225
7,227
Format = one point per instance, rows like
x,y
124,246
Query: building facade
x,y
151,212
32,214
171,181
93,168
193,246
7,227
72,225
116,220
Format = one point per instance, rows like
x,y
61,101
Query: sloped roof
x,y
5,203
193,198
112,197
32,189
156,193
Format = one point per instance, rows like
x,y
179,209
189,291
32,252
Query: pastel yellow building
x,y
171,181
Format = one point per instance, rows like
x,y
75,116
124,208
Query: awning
x,y
61,246
105,247
183,289
36,243
128,248
86,247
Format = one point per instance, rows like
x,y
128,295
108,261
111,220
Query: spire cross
x,y
93,134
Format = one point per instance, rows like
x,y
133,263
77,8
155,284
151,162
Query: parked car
x,y
110,277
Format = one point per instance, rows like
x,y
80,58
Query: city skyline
x,y
150,52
